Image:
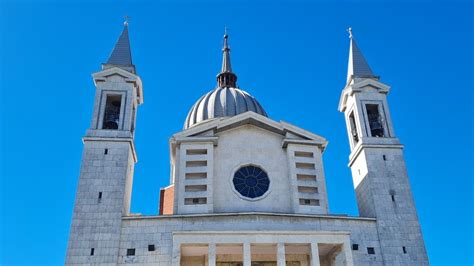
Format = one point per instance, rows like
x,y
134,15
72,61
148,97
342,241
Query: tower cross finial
x,y
126,17
350,32
226,45
226,78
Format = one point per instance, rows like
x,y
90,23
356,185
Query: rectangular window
x,y
132,126
305,165
313,202
130,252
371,250
195,188
375,120
196,151
151,247
307,189
100,195
353,125
106,151
92,251
404,250
302,177
195,175
196,163
303,154
195,201
355,246
112,112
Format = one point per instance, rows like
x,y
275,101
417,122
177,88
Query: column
x,y
211,254
247,255
346,248
281,254
314,254
176,257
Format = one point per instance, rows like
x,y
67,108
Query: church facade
x,y
245,190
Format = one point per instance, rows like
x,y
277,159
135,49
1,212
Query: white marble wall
x,y
397,220
251,145
248,145
303,178
189,164
107,167
97,222
380,177
166,233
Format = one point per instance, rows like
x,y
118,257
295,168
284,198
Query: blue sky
x,y
292,56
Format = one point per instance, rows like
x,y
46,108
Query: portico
x,y
257,248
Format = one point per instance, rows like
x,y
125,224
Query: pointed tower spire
x,y
121,55
357,66
226,78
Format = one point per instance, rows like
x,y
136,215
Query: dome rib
x,y
218,106
222,102
250,102
211,107
192,112
243,102
261,108
202,111
236,104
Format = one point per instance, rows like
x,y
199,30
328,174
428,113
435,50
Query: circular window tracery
x,y
251,181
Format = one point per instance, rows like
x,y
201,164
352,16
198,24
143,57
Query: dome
x,y
222,102
226,100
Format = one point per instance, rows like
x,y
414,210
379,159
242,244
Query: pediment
x,y
361,85
116,74
113,72
371,83
290,133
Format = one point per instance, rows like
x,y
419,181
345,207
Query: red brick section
x,y
166,200
162,195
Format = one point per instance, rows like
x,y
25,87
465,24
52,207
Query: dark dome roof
x,y
222,102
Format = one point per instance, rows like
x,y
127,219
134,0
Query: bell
x,y
376,128
112,116
355,136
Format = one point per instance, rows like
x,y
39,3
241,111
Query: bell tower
x,y
378,166
106,176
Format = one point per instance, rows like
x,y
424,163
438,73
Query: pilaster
x,y
314,254
247,254
211,254
281,261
